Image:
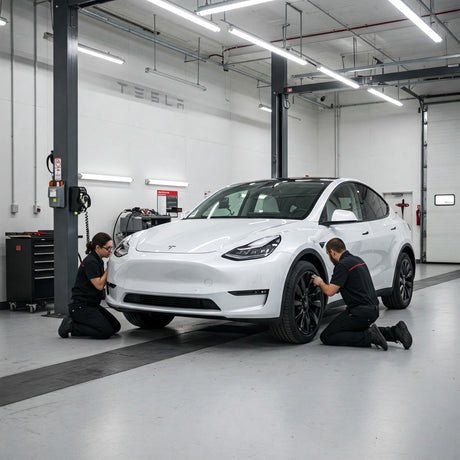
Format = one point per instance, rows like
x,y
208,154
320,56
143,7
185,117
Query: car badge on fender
x,y
171,246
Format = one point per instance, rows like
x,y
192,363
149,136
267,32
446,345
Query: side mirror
x,y
340,216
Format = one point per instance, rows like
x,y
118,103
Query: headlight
x,y
256,250
122,248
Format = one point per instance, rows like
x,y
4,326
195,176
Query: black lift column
x,y
279,117
65,147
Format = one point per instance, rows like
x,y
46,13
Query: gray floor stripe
x,y
438,279
25,385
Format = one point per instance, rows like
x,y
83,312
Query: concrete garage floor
x,y
220,390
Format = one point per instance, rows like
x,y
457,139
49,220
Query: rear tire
x,y
302,307
403,284
148,320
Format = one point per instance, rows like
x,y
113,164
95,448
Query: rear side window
x,y
373,205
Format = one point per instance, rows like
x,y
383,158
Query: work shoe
x,y
65,327
402,335
377,338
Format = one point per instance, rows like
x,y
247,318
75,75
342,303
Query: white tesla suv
x,y
248,252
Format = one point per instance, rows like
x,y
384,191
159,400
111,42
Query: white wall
x,y
218,137
379,144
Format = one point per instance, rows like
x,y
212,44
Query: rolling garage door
x,y
443,183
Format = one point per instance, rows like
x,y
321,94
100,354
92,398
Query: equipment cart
x,y
29,269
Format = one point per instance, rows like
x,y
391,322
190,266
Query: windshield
x,y
289,199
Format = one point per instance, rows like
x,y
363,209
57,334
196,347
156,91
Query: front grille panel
x,y
171,302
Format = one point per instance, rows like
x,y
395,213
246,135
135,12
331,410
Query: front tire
x,y
302,306
403,284
148,320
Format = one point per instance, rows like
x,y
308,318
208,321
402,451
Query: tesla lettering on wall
x,y
150,95
166,199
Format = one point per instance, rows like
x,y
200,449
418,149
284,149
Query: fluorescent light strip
x,y
265,108
91,51
338,77
100,54
227,6
384,96
263,44
417,20
3,21
171,183
104,178
186,14
175,78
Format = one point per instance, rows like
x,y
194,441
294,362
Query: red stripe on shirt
x,y
358,265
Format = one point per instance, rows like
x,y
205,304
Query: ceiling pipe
x,y
346,29
443,26
147,34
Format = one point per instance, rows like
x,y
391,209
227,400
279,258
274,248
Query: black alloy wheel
x,y
406,280
403,284
302,308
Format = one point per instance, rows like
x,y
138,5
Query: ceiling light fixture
x,y
384,96
175,78
100,54
170,183
229,5
417,20
265,108
3,21
105,178
186,14
338,77
91,51
268,46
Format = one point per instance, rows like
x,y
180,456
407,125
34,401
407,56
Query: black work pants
x,y
351,328
93,321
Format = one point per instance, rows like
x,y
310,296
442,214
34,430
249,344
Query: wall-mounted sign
x,y
148,95
167,200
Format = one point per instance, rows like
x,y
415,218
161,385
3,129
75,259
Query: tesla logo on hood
x,y
171,246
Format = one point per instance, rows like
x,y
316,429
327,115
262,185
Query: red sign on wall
x,y
166,200
166,193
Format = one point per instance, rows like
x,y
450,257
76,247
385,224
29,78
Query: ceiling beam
x,y
86,3
431,72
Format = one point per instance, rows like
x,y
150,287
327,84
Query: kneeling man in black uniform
x,y
354,327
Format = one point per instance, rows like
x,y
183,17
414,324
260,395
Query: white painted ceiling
x,y
337,33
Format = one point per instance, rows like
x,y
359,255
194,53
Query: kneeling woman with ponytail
x,y
86,316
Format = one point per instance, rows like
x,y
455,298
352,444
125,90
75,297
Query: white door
x,y
443,183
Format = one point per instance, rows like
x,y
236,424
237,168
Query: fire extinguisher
x,y
417,214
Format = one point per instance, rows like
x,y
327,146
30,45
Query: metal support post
x,y
65,147
279,117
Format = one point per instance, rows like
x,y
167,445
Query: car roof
x,y
287,179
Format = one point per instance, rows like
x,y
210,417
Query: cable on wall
x,y
14,207
35,208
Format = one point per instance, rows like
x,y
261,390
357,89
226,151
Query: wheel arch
x,y
407,249
312,256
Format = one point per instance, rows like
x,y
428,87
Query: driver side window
x,y
346,198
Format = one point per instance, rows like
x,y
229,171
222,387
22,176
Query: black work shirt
x,y
84,292
353,277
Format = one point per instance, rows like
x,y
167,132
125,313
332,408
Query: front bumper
x,y
204,285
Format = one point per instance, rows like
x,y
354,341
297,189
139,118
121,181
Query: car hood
x,y
195,236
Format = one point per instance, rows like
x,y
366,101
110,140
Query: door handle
x,y
394,228
366,233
